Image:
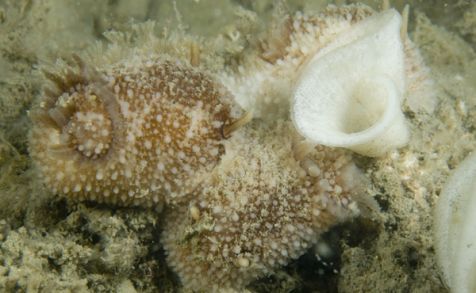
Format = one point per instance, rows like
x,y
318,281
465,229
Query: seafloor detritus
x,y
260,209
140,132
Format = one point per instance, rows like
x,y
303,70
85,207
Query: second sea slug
x,y
261,210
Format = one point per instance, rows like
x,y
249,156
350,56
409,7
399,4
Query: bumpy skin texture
x,y
143,134
260,210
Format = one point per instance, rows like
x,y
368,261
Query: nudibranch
x,y
145,129
260,210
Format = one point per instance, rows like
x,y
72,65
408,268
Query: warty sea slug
x,y
260,210
132,127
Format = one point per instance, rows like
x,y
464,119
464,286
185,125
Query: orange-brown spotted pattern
x,y
142,134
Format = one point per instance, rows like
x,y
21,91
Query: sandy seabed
x,y
49,244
